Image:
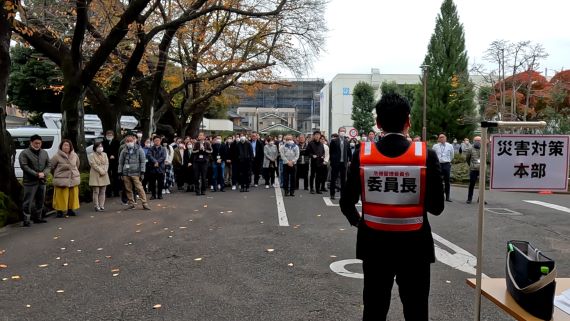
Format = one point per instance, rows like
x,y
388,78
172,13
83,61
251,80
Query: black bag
x,y
530,279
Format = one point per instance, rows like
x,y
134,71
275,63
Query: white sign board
x,y
529,162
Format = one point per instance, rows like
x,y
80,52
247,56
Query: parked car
x,y
51,138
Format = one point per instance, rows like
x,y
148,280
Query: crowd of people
x,y
132,168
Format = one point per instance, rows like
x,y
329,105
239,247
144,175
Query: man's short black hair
x,y
35,137
392,112
316,132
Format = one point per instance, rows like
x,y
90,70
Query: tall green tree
x,y
35,82
362,107
450,95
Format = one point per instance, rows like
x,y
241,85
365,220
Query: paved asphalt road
x,y
207,258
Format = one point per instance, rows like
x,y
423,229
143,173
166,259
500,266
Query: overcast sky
x,y
393,35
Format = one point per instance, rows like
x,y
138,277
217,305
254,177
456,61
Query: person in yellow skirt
x,y
66,179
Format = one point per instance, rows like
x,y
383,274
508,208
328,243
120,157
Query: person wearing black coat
x,y
201,154
303,163
316,152
219,157
234,158
111,148
386,255
182,165
257,163
339,159
245,158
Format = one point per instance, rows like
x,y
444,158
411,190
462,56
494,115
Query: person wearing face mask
x,y
445,153
316,152
473,159
168,171
35,165
303,163
98,175
66,179
270,154
340,156
201,153
257,147
219,157
289,154
353,144
156,157
234,158
111,147
180,164
279,142
229,166
132,167
245,157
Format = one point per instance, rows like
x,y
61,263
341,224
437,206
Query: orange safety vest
x,y
393,188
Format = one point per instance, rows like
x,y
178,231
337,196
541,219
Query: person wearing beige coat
x,y
99,176
66,179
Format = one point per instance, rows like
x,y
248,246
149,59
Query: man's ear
x,y
378,124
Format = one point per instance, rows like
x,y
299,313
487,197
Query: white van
x,y
51,138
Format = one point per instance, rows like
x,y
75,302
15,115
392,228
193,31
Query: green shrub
x,y
460,173
85,194
8,210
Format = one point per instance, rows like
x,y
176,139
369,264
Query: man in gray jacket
x,y
34,162
473,158
289,154
132,168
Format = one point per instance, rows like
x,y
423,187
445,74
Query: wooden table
x,y
496,291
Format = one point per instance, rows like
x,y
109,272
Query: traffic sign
x,y
529,162
353,132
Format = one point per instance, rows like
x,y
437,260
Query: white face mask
x,y
342,134
110,137
180,146
230,141
139,135
189,146
218,141
130,145
352,144
99,150
149,145
242,139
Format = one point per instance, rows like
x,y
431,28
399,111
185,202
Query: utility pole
x,y
424,122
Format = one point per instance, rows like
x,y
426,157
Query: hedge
x,y
9,211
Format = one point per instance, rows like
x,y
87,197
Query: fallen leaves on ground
x,y
43,265
333,256
100,249
3,266
290,264
28,306
108,256
97,261
59,291
341,229
16,277
65,264
137,231
157,306
139,224
115,274
198,259
182,227
55,237
115,270
270,250
205,205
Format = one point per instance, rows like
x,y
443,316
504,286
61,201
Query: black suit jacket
x,y
336,152
258,159
415,246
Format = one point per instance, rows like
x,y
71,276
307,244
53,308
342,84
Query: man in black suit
x,y
387,252
111,147
339,158
257,164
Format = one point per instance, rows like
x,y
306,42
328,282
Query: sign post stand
x,y
482,182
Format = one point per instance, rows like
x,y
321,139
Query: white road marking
x,y
549,205
328,202
338,267
502,211
281,213
460,260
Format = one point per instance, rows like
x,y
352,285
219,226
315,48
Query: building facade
x,y
294,105
336,96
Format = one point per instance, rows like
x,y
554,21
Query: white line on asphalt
x,y
553,206
338,267
328,202
460,260
282,214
